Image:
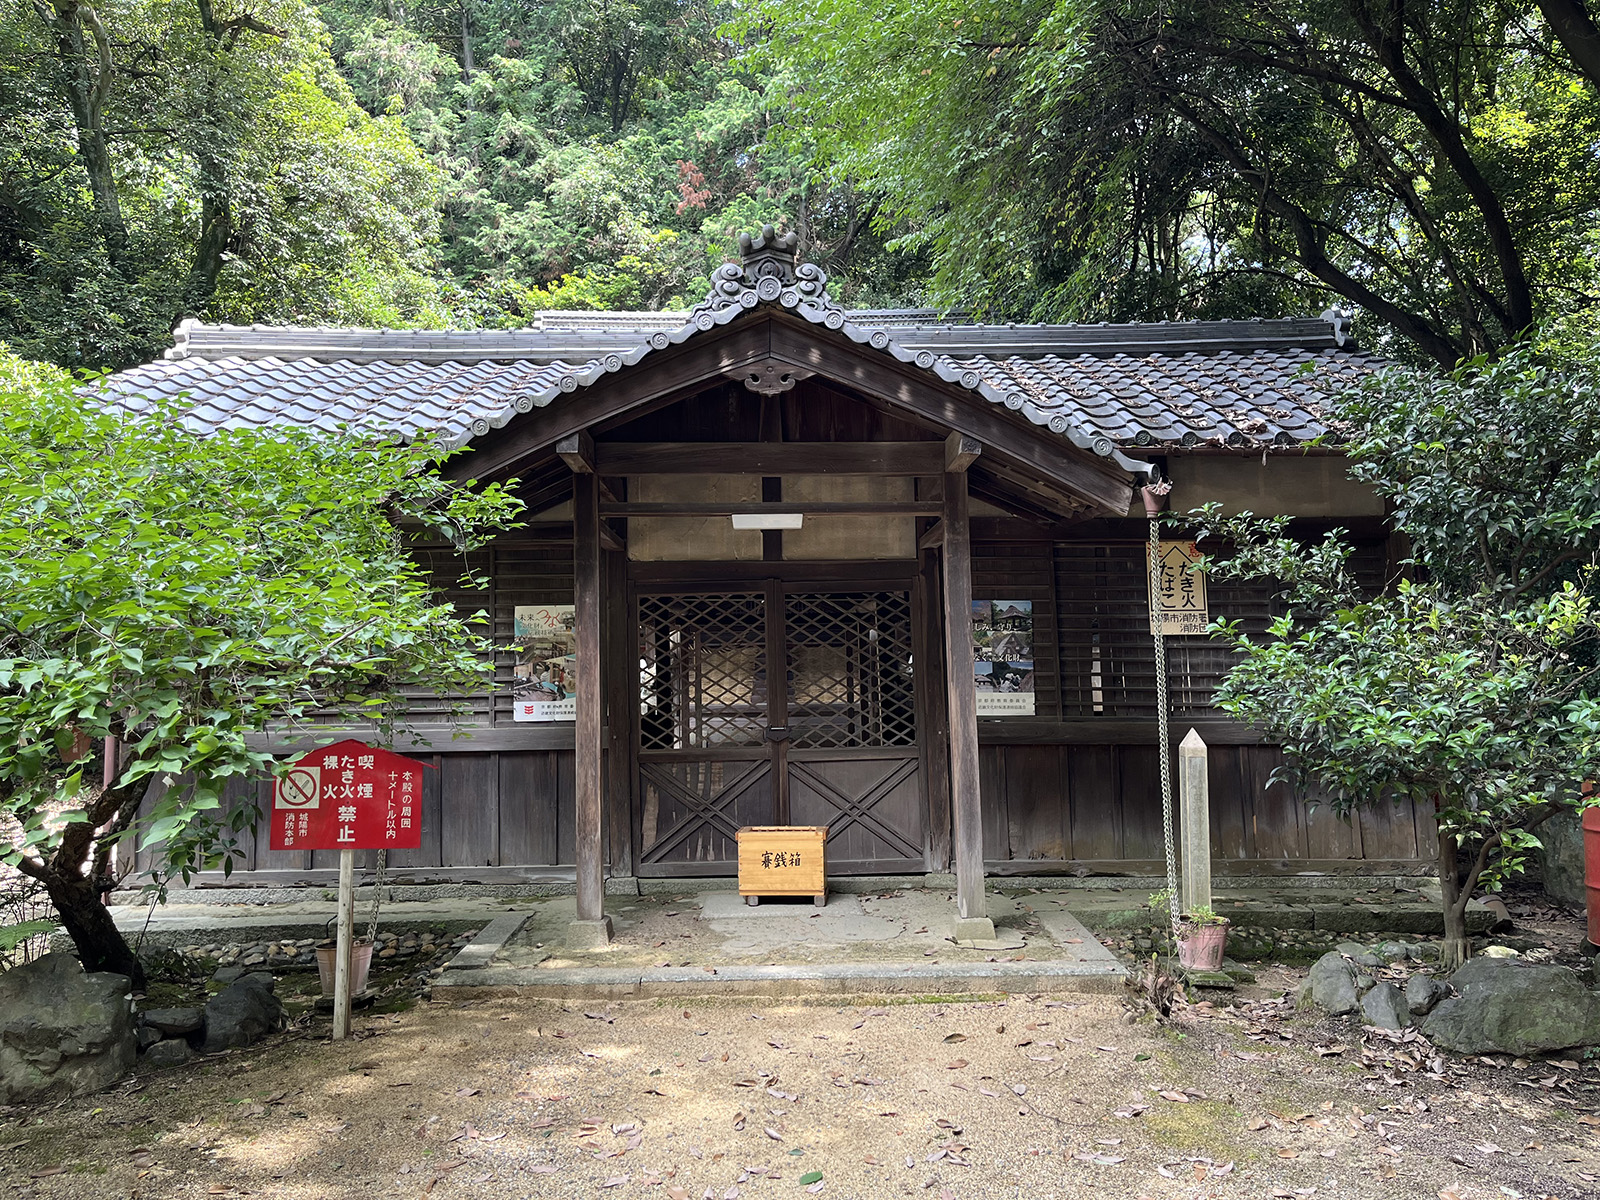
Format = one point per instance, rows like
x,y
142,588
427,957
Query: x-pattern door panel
x,y
718,746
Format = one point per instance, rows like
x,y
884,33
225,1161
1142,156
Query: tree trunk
x,y
216,205
86,73
1456,947
100,944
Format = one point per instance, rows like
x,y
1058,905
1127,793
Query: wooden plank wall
x,y
500,814
1063,808
1072,804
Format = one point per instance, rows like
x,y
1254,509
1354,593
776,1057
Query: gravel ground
x,y
1010,1097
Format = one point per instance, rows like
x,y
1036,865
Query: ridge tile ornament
x,y
348,796
768,270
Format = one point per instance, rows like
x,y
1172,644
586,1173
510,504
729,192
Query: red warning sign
x,y
348,796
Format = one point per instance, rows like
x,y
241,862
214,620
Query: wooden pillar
x,y
614,651
972,917
931,705
592,927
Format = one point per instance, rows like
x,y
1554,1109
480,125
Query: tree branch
x,y
1446,134
1310,253
1575,29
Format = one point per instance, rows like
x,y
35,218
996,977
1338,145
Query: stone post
x,y
1194,822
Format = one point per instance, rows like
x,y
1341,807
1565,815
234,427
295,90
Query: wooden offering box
x,y
782,860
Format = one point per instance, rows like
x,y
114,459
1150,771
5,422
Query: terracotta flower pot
x,y
1200,947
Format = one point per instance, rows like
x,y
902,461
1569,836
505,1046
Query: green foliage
x,y
1201,914
213,163
182,595
12,936
602,155
1104,159
366,164
1470,686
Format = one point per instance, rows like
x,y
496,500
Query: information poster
x,y
1178,599
1002,632
546,671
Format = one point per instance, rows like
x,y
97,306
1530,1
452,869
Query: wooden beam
x,y
592,925
905,387
669,375
577,451
819,508
610,540
769,458
960,451
932,537
965,796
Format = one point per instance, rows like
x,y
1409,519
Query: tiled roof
x,y
1104,387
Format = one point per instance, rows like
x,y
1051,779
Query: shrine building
x,y
785,563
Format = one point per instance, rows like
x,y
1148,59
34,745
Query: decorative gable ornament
x,y
770,377
767,272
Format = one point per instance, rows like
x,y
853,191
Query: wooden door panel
x,y
872,806
691,812
786,705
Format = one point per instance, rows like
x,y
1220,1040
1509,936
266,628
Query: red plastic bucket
x,y
1591,870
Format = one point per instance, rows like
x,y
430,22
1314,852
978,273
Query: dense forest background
x,y
471,162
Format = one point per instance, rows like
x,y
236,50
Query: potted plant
x,y
1202,937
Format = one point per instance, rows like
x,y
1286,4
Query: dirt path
x,y
1029,1098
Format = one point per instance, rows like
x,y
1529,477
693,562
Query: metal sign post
x,y
347,797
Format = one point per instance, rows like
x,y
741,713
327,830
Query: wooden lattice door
x,y
718,747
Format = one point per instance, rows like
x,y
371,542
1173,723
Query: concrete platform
x,y
881,935
712,943
827,979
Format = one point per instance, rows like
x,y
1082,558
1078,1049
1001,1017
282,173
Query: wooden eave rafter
x,y
771,335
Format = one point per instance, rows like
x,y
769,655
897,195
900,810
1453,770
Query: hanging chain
x,y
377,897
1162,736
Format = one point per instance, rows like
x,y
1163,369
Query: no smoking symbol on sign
x,y
300,787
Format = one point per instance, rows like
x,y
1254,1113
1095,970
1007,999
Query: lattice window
x,y
702,671
850,677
